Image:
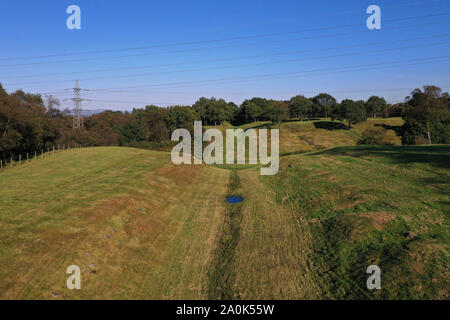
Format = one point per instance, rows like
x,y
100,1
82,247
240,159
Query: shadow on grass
x,y
435,155
285,154
388,127
264,126
300,120
235,167
330,125
440,184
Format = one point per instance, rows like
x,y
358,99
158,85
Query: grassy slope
x,y
308,232
314,135
312,230
145,227
307,136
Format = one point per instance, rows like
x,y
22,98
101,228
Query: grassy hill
x,y
312,230
137,226
140,227
319,134
307,136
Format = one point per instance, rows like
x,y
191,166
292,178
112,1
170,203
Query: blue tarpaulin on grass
x,y
234,199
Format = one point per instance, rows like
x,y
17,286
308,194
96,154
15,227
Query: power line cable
x,y
264,35
277,93
239,65
288,74
383,6
267,92
227,46
290,93
232,58
360,68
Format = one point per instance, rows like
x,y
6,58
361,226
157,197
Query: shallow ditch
x,y
221,274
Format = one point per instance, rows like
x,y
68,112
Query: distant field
x,y
307,136
140,227
315,135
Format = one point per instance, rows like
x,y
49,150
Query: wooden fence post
x,y
20,159
12,161
28,159
1,165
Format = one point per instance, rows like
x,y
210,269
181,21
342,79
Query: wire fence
x,y
19,159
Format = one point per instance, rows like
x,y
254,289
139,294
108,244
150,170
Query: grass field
x,y
298,137
312,230
315,135
137,226
140,227
307,136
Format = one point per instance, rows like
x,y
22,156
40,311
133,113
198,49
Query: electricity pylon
x,y
77,119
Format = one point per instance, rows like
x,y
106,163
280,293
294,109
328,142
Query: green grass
x,y
308,136
222,274
314,135
312,230
140,227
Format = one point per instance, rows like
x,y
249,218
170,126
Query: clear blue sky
x,y
267,38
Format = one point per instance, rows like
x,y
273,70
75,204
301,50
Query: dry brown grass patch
x,y
379,219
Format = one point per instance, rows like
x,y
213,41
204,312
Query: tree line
x,y
30,122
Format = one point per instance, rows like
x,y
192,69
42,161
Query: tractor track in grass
x,y
221,273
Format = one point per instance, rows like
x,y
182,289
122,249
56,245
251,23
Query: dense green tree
x,y
180,117
428,116
26,124
157,126
251,111
214,111
201,108
278,111
263,103
375,105
152,120
261,111
130,132
351,111
409,131
396,110
300,107
323,103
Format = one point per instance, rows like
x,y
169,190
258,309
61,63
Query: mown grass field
x,y
140,227
311,231
319,134
307,136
